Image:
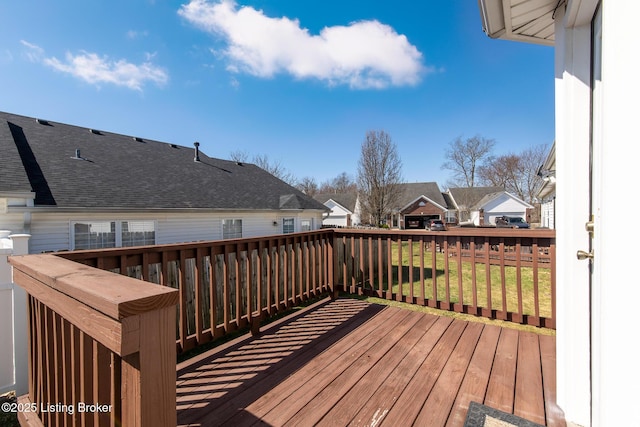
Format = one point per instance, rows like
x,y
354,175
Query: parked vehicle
x,y
435,225
511,222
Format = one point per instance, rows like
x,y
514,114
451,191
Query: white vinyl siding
x,y
53,231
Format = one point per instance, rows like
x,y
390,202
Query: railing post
x,y
13,303
20,247
149,375
331,254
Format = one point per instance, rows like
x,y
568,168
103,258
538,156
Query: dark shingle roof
x,y
411,191
468,197
118,171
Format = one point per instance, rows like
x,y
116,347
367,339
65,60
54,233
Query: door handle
x,y
582,255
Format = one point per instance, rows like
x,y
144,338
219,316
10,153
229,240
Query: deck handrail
x,y
101,346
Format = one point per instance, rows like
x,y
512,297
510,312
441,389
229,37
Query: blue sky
x,y
298,81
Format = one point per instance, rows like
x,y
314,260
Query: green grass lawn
x,y
499,286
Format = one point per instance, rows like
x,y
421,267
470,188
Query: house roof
x,y
414,190
74,167
528,21
469,197
346,200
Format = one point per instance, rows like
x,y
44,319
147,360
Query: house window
x,y
138,233
306,224
94,235
288,225
231,228
112,234
450,217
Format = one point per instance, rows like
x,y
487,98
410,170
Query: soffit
x,y
520,20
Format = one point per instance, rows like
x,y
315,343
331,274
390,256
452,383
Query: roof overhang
x,y
531,21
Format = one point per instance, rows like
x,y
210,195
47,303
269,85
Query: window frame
x,y
285,226
308,227
117,226
234,234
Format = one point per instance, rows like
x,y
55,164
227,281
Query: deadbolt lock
x,y
589,227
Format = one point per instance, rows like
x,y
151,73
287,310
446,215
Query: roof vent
x,y
95,132
42,122
197,156
138,139
173,146
78,156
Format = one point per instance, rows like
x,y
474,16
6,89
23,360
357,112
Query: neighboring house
x,y
418,203
596,88
75,188
481,205
547,191
344,209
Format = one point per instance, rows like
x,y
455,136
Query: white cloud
x,y
133,34
95,69
33,53
364,54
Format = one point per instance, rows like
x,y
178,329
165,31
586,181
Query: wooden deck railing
x,y
496,273
101,337
229,284
100,346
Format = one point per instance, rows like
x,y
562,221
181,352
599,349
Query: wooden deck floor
x,y
348,362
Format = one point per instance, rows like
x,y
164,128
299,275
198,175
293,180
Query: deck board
x,y
529,396
348,362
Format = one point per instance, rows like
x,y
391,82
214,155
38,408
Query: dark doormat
x,y
484,416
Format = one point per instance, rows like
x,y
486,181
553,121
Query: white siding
x,y
547,214
338,215
50,231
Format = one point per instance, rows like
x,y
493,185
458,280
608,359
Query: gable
x,y
468,197
422,206
410,192
336,208
347,201
503,202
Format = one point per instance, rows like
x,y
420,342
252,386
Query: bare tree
x,y
517,173
239,156
275,168
343,183
379,174
308,185
464,156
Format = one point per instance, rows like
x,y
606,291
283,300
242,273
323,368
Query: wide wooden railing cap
x,y
114,295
